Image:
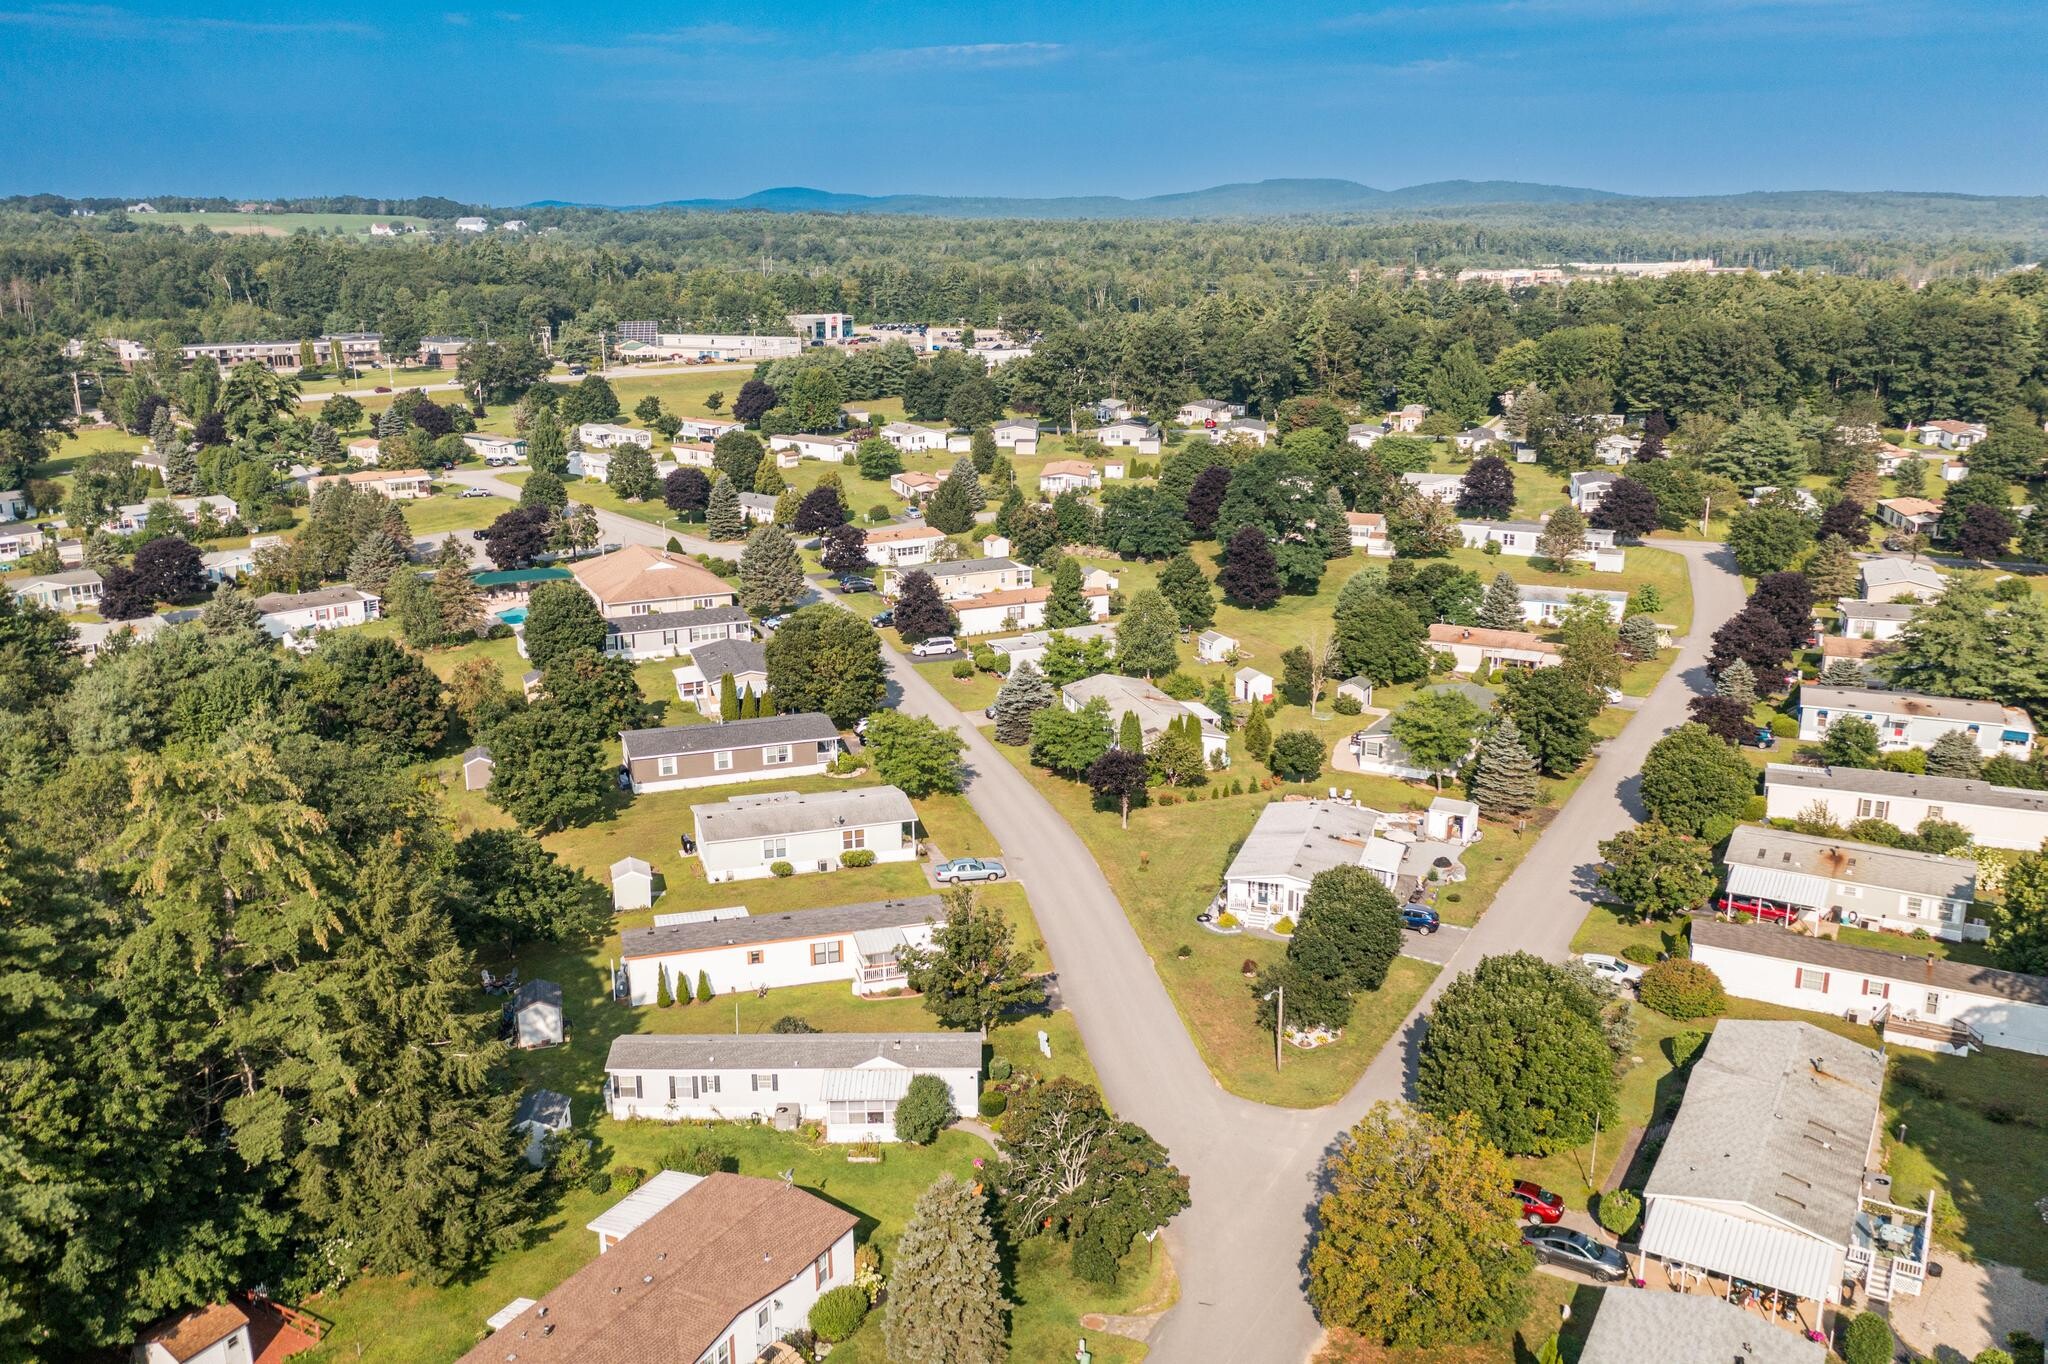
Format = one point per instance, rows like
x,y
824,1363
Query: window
x,y
853,838
1936,812
825,953
626,1086
721,761
774,849
775,755
1873,809
1916,908
691,690
1810,979
665,765
822,1267
755,957
700,1085
770,1082
1882,989
1850,892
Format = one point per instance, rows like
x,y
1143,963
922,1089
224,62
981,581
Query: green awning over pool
x,y
515,577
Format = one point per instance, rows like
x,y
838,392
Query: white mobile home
x,y
304,613
1907,719
744,838
1546,605
1154,708
1293,840
860,943
1522,537
1994,816
849,1082
1777,874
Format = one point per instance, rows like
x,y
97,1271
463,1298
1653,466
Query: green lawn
x,y
971,694
1521,1345
1968,1121
451,511
274,224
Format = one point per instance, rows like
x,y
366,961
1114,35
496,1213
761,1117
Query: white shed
x,y
537,1015
1213,646
632,884
541,1113
1451,821
477,767
1249,684
995,546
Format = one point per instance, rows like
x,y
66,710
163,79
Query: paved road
x,y
1241,1248
366,388
617,529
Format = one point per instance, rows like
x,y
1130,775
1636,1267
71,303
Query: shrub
x,y
925,1110
999,1069
1093,1262
1619,1210
1641,953
1682,989
1226,920
1347,704
855,857
1284,926
879,513
1754,808
791,1023
599,1182
964,667
692,1155
1180,686
782,869
629,1175
993,1103
839,1313
1784,727
1183,952
1684,1046
1867,1339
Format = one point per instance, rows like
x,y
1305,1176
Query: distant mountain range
x,y
1265,198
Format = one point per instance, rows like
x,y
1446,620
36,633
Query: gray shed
x,y
537,1015
541,1112
632,884
477,767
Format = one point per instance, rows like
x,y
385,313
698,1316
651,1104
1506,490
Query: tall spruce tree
x,y
1504,775
771,574
1501,607
1023,694
723,518
945,1292
1737,683
1185,585
456,596
1066,606
1955,754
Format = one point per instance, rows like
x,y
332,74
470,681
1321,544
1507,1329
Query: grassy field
x,y
449,510
275,224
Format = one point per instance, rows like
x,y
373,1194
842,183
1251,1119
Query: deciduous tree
x,y
1657,871
829,660
914,753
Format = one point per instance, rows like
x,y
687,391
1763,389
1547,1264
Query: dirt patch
x,y
1970,1308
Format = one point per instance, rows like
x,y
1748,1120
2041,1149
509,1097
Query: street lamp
x,y
1278,994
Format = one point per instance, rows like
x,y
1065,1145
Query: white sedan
x,y
1613,969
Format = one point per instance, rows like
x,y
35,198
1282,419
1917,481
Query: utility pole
x,y
1706,511
1279,996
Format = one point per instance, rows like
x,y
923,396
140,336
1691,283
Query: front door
x,y
764,1327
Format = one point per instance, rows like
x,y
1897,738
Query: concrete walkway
x,y
1240,1250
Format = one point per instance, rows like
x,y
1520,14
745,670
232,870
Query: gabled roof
x,y
786,812
1879,781
677,740
1479,637
1778,1116
1766,940
191,1331
797,1051
675,620
759,928
272,603
1297,839
644,573
678,1279
1910,703
965,568
1078,468
1853,863
1688,1328
715,658
896,535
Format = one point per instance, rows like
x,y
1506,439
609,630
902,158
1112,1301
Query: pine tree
x,y
323,444
1737,683
1066,606
771,573
945,1297
1955,754
231,609
723,519
170,446
728,698
1258,735
704,986
1564,535
768,706
768,478
1184,584
1504,779
788,503
682,987
1832,569
456,595
373,561
1023,694
391,424
1501,607
663,996
953,506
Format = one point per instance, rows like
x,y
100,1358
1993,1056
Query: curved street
x,y
1241,1249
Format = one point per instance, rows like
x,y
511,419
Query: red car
x,y
1538,1203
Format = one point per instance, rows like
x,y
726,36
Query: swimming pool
x,y
513,615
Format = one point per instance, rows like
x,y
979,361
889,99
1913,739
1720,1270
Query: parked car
x,y
1762,912
578,370
474,492
1575,1250
883,619
935,647
1539,1205
970,869
479,535
856,585
1420,919
1613,969
773,623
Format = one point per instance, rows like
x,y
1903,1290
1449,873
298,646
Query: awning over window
x,y
865,1084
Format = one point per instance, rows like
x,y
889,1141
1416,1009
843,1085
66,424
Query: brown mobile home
x,y
777,746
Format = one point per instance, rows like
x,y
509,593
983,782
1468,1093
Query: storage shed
x,y
537,1015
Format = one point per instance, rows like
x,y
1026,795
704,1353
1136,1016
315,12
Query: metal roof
x,y
630,1212
893,915
1724,1241
786,812
1858,864
795,1051
1297,839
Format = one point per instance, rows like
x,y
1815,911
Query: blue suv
x,y
1419,919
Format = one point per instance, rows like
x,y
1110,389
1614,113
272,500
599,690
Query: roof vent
x,y
543,1310
646,1278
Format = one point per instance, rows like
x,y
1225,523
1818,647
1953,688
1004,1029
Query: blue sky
x,y
651,101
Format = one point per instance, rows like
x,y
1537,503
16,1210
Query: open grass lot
x,y
971,694
449,510
275,224
365,380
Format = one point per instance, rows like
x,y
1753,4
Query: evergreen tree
x,y
1184,584
771,573
457,598
1023,694
1501,607
1504,777
373,561
323,444
1955,754
704,987
547,449
1258,734
953,506
983,450
1146,636
1737,682
663,996
1639,638
1130,732
724,520
945,1297
728,698
683,994
768,479
1832,569
1066,606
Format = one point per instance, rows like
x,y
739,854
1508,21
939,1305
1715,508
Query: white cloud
x,y
106,21
975,54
